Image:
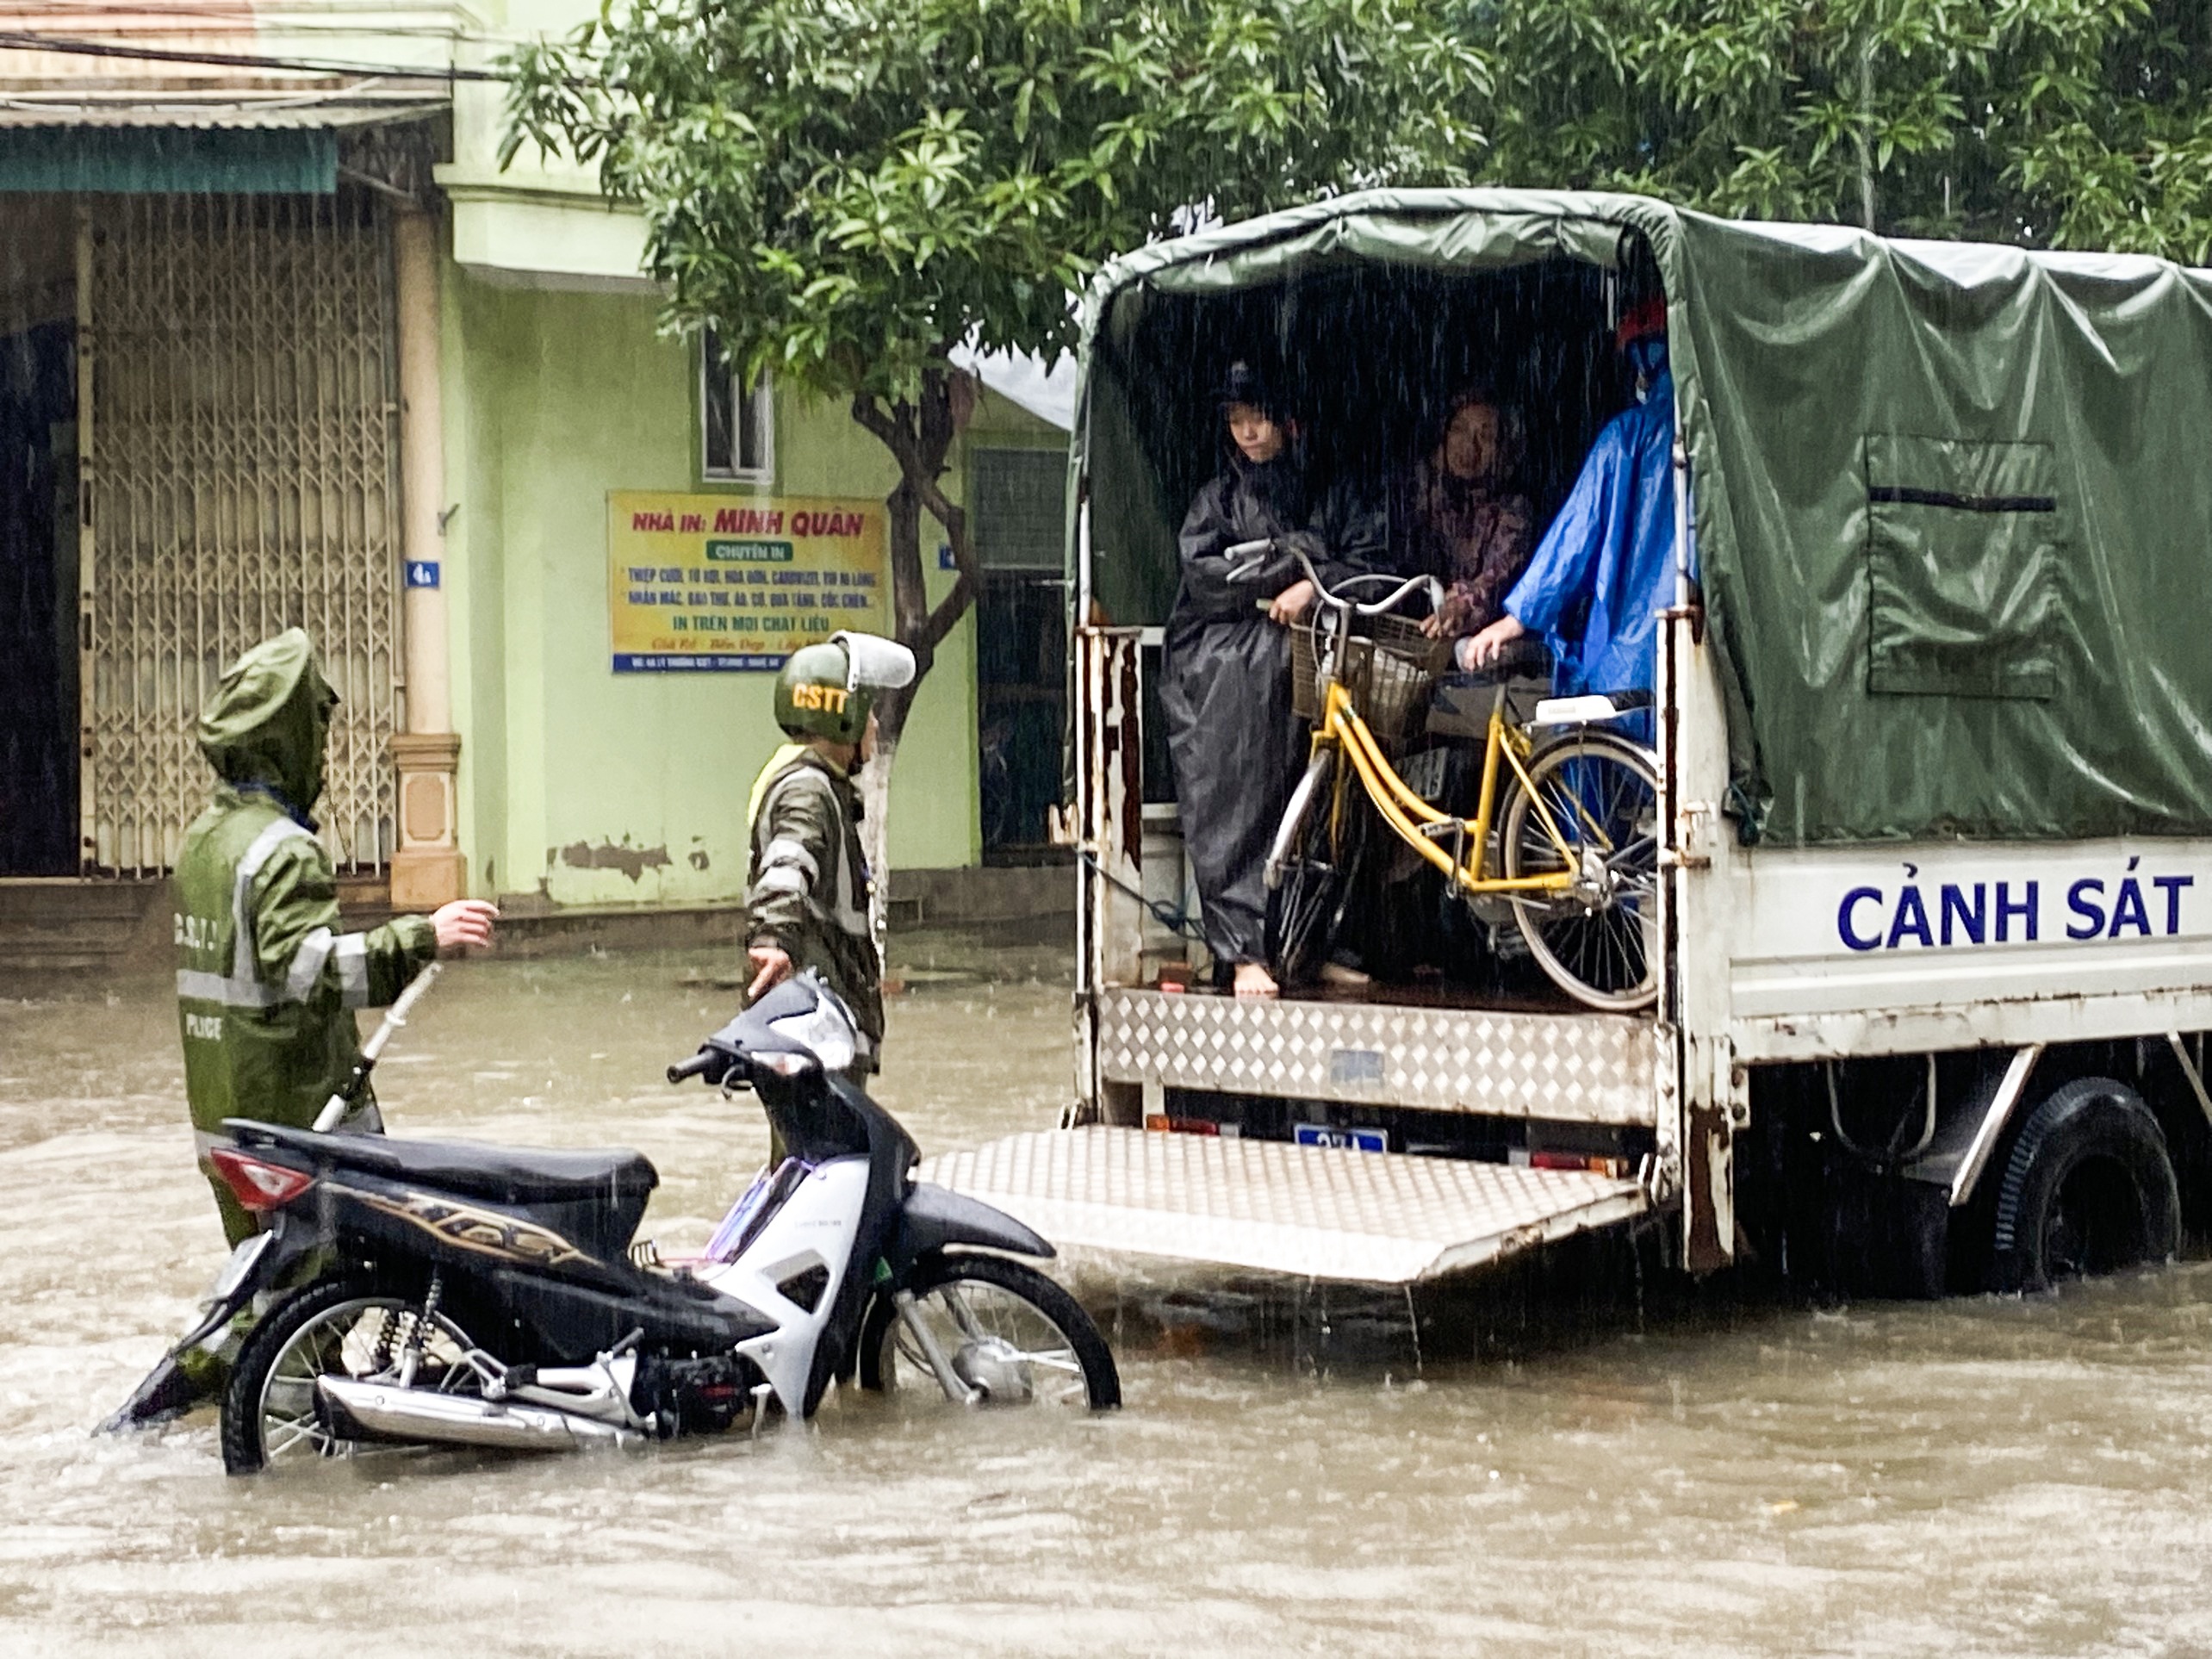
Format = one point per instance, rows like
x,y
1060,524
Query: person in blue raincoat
x,y
1605,570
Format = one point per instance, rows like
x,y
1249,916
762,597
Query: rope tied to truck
x,y
1173,917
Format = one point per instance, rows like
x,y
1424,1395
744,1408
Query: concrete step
x,y
69,926
76,926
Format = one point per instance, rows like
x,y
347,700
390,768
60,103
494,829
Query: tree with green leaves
x,y
848,191
2064,123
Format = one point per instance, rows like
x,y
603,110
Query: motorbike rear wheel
x,y
346,1327
1007,1329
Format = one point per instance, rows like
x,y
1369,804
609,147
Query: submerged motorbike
x,y
470,1294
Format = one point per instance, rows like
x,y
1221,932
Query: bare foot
x,y
1253,980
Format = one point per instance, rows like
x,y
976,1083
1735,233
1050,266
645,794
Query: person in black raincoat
x,y
1236,747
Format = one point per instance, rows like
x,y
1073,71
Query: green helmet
x,y
828,690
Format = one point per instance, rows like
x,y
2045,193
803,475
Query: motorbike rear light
x,y
259,1187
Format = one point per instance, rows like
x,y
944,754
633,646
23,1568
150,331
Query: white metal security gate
x,y
239,427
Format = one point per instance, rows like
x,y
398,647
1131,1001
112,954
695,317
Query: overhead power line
x,y
17,40
221,16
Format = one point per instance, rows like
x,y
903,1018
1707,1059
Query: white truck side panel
x,y
1822,952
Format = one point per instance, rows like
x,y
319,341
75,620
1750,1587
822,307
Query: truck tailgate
x,y
1587,1067
1379,1218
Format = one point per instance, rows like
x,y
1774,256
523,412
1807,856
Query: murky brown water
x,y
1978,1476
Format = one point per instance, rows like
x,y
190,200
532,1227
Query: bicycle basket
x,y
1389,669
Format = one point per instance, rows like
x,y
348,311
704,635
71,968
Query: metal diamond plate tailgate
x,y
1592,1068
1380,1218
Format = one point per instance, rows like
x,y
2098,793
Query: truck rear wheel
x,y
2089,1188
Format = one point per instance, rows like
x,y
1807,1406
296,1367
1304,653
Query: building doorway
x,y
1019,501
38,544
198,448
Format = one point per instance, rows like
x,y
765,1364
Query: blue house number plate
x,y
1323,1134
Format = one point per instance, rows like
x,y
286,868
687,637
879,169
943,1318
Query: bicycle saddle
x,y
1591,708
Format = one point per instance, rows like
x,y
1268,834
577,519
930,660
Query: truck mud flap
x,y
1375,1217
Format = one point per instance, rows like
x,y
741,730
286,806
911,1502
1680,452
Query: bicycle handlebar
x,y
1397,597
1245,558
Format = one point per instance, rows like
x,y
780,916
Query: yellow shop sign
x,y
718,582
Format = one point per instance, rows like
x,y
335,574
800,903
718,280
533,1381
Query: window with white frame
x,y
737,423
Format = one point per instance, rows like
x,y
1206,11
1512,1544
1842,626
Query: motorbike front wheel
x,y
1006,1329
272,1411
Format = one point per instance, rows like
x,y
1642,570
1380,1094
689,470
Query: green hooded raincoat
x,y
266,982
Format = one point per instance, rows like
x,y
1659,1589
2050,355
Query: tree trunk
x,y
875,830
919,435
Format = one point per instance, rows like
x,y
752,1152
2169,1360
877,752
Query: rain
x,y
1575,1459
1642,1095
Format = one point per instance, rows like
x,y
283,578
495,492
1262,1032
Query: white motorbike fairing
x,y
814,1229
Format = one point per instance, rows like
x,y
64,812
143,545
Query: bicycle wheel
x,y
1308,875
1598,939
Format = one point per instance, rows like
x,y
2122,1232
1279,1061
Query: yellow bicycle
x,y
1565,829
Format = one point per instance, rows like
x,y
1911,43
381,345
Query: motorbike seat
x,y
618,1178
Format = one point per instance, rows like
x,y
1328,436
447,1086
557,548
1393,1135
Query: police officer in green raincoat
x,y
266,982
807,901
266,985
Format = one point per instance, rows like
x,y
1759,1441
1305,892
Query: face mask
x,y
1648,357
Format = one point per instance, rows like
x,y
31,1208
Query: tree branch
x,y
870,414
920,438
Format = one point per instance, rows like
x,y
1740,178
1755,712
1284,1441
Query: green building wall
x,y
578,786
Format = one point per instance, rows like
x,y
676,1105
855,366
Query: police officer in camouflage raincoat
x,y
807,899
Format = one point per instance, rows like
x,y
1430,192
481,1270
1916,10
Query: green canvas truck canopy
x,y
1953,501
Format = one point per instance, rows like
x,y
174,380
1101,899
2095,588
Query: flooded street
x,y
1294,1474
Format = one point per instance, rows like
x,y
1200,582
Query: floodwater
x,y
1293,1472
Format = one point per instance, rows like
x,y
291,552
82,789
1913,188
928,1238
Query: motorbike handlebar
x,y
697,1064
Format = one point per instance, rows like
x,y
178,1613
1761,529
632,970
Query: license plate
x,y
240,1264
1324,1135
